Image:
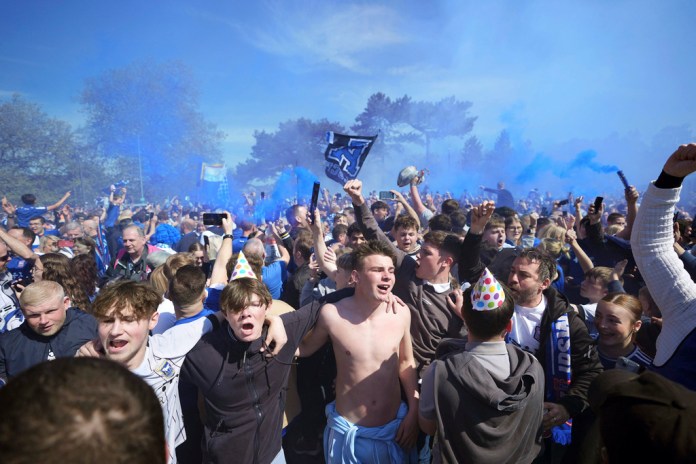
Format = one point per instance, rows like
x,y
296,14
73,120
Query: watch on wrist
x,y
227,236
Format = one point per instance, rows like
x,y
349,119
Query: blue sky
x,y
563,77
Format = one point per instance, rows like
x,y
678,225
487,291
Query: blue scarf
x,y
558,380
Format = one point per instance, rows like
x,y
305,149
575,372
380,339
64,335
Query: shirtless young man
x,y
374,358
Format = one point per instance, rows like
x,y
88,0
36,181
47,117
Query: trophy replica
x,y
408,173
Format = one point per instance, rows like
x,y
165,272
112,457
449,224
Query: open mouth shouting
x,y
117,345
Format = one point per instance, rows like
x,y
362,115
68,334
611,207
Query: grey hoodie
x,y
482,419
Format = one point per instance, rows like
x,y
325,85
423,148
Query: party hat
x,y
487,293
242,269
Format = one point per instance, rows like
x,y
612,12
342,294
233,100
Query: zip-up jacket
x,y
244,391
23,348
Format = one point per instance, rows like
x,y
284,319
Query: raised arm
x,y
59,202
469,262
652,240
365,219
17,247
632,196
409,210
584,260
320,246
219,273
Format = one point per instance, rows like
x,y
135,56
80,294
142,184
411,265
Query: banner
x,y
214,189
345,155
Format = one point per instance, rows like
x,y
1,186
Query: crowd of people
x,y
421,328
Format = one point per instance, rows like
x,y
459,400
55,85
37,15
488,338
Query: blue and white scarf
x,y
558,380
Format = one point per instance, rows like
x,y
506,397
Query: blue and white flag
x,y
345,155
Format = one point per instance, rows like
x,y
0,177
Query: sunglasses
x,y
5,258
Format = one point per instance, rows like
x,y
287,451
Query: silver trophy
x,y
408,173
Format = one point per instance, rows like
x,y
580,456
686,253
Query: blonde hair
x,y
39,292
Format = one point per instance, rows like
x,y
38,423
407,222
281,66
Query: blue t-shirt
x,y
274,276
112,214
26,212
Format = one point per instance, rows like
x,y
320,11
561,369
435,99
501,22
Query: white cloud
x,y
330,35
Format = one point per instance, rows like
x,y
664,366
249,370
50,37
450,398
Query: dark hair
x,y
505,211
338,230
547,265
379,204
26,233
187,286
449,206
237,294
28,198
354,228
441,222
613,217
488,324
88,242
404,221
139,298
371,248
458,219
443,241
39,218
81,411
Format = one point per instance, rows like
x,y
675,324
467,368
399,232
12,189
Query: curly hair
x,y
57,269
84,268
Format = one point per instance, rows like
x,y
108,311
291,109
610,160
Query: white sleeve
x,y
178,340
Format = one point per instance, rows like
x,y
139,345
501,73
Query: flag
x,y
213,172
214,184
345,155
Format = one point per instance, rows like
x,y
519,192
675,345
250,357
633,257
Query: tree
x,y
149,111
296,143
38,153
437,120
472,153
404,121
502,152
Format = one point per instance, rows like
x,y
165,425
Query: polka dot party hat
x,y
242,269
487,294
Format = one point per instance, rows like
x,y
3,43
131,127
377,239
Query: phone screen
x,y
213,219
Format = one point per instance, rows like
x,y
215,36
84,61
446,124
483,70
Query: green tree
x,y
149,111
38,153
296,143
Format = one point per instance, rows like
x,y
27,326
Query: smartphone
x,y
66,243
315,200
386,196
213,219
623,179
563,202
152,215
598,203
23,282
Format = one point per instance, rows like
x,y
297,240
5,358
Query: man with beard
x,y
544,324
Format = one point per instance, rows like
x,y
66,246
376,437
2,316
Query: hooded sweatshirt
x,y
482,418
